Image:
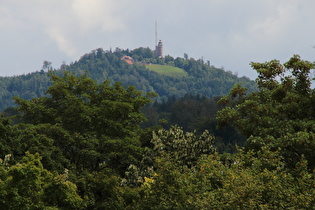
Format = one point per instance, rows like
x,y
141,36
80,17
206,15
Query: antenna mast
x,y
156,33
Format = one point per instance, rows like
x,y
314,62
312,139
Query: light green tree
x,y
185,147
27,185
247,180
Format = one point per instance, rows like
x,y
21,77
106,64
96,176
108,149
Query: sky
x,y
228,33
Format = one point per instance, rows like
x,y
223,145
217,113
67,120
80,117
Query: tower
x,y
158,46
159,49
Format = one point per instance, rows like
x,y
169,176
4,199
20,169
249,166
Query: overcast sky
x,y
228,33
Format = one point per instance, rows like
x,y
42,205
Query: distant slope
x,y
167,70
200,79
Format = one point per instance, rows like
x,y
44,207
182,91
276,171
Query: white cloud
x,y
274,26
102,14
64,44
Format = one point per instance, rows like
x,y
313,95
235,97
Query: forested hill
x,y
200,77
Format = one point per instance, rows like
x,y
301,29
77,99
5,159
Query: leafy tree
x,y
280,116
101,189
90,123
246,180
186,148
27,185
46,65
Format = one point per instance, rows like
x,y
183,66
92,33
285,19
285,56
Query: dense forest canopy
x,y
103,65
84,144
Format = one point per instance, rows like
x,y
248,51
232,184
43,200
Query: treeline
x,y
25,86
103,65
82,147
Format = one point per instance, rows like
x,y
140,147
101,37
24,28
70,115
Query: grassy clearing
x,y
167,70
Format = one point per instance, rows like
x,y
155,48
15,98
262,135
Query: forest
x,y
202,78
91,144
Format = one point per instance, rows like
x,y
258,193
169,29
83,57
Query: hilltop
x,y
166,76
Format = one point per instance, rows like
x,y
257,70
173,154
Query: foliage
x,y
25,86
81,145
280,116
186,148
89,129
27,185
193,113
243,181
94,121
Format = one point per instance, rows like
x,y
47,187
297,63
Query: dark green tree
x,y
280,116
92,123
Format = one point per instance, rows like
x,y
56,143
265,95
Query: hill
x,y
200,78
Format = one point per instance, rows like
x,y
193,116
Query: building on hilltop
x,y
128,59
159,49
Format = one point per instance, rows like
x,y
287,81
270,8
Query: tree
x,y
280,116
100,123
27,185
246,180
185,56
46,65
183,147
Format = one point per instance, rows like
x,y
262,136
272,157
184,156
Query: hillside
x,y
200,78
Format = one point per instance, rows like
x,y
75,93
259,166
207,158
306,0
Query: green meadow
x,y
167,70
